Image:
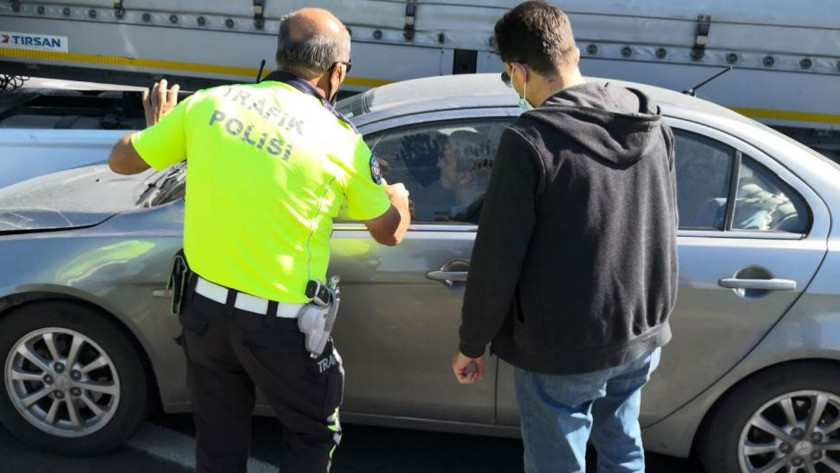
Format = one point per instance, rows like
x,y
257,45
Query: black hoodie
x,y
574,267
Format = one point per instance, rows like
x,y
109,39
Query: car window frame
x,y
742,148
397,122
815,205
729,152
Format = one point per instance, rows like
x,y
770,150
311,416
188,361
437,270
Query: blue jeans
x,y
559,413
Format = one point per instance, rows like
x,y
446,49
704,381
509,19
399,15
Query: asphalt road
x,y
165,445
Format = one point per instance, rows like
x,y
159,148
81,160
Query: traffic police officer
x,y
269,167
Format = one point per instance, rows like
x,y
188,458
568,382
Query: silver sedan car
x,y
751,379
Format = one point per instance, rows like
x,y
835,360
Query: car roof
x,y
487,91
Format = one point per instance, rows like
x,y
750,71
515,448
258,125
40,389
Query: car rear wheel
x,y
783,420
73,381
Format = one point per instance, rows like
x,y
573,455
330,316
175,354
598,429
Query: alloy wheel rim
x,y
797,432
62,382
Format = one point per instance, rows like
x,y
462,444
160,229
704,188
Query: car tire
x,y
768,419
92,403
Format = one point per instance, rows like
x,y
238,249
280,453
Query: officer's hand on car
x,y
159,101
467,370
398,194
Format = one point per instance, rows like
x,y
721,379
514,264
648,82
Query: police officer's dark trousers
x,y
230,352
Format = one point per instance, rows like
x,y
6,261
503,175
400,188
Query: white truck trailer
x,y
785,55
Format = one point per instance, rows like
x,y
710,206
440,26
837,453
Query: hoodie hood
x,y
613,123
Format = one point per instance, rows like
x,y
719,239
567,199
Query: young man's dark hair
x,y
537,34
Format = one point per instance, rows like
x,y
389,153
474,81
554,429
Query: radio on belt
x,y
319,293
316,319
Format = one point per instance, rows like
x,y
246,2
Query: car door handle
x,y
451,273
459,276
759,284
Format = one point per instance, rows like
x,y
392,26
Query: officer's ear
x,y
337,74
330,81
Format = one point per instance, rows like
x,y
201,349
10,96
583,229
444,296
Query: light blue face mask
x,y
523,103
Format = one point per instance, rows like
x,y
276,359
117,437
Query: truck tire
x,y
784,419
73,381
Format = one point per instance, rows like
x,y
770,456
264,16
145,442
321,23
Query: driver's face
x,y
448,163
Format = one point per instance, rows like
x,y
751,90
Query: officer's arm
x,y
124,159
390,227
163,143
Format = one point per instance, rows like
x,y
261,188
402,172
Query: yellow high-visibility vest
x,y
268,169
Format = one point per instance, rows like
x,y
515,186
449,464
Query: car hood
x,y
79,197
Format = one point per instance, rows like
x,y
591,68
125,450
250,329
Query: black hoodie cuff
x,y
472,351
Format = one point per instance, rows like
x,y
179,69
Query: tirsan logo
x,y
35,41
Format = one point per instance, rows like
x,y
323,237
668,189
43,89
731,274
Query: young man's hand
x,y
467,370
159,101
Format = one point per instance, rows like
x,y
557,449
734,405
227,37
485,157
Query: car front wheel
x,y
73,381
783,420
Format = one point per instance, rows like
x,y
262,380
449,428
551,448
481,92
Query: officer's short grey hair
x,y
311,56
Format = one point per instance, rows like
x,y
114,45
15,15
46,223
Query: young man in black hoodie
x,y
574,269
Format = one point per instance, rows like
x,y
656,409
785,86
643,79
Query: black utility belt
x,y
315,319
